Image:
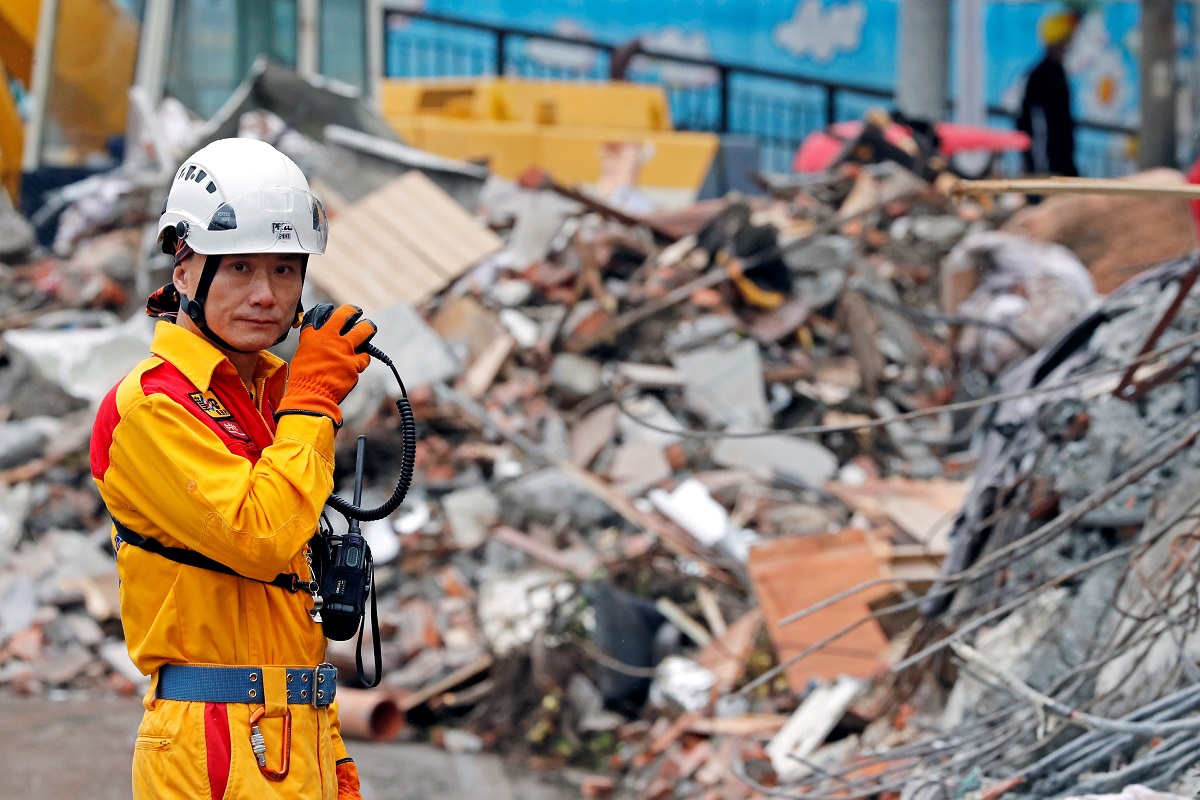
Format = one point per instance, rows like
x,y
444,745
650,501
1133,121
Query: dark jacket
x,y
1046,116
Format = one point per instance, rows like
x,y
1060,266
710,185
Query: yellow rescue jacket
x,y
182,453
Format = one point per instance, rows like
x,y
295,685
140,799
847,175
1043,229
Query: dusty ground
x,y
83,748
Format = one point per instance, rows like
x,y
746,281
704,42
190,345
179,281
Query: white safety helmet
x,y
235,196
242,196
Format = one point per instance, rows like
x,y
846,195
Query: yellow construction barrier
x,y
561,127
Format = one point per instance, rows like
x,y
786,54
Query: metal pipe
x,y
39,92
370,716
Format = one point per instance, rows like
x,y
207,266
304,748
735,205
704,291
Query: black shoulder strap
x,y
290,581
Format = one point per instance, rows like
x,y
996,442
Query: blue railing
x,y
777,109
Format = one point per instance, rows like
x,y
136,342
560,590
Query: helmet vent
x,y
212,187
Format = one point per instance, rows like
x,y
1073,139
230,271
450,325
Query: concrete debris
x,y
16,234
1027,291
688,508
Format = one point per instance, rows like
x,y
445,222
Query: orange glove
x,y
347,777
327,362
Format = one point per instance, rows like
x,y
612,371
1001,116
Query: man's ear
x,y
179,278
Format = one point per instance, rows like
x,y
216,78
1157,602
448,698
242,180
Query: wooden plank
x,y
809,725
1050,186
459,676
793,573
745,725
404,242
727,656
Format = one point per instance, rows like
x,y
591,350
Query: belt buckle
x,y
320,672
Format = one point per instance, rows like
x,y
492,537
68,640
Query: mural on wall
x,y
1103,79
671,39
840,40
819,32
1100,63
560,55
851,42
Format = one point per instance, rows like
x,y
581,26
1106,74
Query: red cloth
x,y
216,742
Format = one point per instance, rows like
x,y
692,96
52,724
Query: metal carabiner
x,y
259,745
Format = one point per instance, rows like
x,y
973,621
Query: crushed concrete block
x,y
522,328
418,353
1033,629
725,384
513,608
548,495
799,459
115,254
24,440
648,409
81,628
28,393
691,333
85,362
592,433
540,216
636,467
471,513
820,254
64,667
19,600
15,502
511,293
577,374
943,231
16,234
116,655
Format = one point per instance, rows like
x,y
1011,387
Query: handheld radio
x,y
342,564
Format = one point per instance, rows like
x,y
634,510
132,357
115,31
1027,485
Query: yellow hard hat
x,y
1056,29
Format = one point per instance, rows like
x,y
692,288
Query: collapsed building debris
x,y
836,492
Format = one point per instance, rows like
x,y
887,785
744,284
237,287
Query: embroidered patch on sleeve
x,y
209,403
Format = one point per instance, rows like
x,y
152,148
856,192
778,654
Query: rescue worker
x,y
1045,113
214,453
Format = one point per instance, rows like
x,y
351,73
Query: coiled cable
x,y
408,428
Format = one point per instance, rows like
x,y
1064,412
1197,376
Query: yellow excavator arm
x,y
95,53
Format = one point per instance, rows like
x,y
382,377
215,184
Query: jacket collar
x,y
199,360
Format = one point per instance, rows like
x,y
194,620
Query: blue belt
x,y
313,686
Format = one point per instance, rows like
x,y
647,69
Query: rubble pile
x,y
691,512
1058,656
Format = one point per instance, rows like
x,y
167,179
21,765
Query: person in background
x,y
1046,105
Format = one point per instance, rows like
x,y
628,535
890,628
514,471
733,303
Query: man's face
x,y
252,300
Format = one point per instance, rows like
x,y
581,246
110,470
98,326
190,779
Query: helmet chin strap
x,y
194,308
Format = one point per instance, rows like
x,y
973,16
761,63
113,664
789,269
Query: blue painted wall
x,y
850,41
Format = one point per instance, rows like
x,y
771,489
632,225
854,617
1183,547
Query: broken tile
x,y
797,459
725,384
794,573
471,513
638,466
